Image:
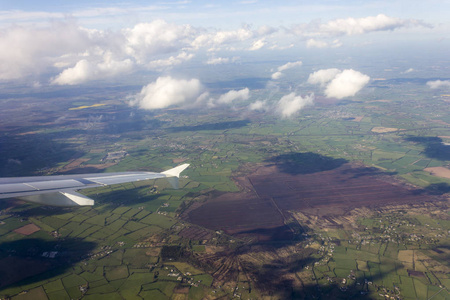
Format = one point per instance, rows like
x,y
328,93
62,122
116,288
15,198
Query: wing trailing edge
x,y
60,190
61,198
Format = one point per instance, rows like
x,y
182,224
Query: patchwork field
x,y
269,208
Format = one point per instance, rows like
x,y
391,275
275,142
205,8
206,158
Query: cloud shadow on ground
x,y
305,163
211,126
433,147
24,261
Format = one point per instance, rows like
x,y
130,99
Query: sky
x,y
74,43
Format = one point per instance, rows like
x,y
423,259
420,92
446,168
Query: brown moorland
x,y
268,194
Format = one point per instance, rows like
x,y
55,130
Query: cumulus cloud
x,y
257,45
234,95
81,72
258,105
312,43
78,54
354,26
167,91
171,61
408,71
315,32
436,84
29,50
278,74
289,65
84,70
221,60
266,30
323,76
339,84
292,103
145,40
346,84
218,38
276,46
243,38
124,51
218,60
86,54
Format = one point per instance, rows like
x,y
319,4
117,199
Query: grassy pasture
x,y
158,220
185,267
116,272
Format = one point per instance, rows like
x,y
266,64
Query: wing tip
x,y
175,172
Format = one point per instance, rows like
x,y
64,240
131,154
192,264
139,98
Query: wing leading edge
x,y
60,190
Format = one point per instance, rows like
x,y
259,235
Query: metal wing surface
x,y
60,190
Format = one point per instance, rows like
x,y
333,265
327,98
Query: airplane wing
x,y
60,190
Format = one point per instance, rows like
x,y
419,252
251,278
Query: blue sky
x,y
59,43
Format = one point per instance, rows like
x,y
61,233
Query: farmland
x,y
334,203
270,194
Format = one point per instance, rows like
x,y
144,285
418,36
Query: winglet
x,y
175,172
173,175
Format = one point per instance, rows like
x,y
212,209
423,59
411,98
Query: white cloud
x,y
145,40
218,61
266,30
336,43
234,95
258,105
339,84
312,43
408,71
83,54
171,61
322,76
354,26
78,54
84,70
81,72
292,103
29,50
111,66
436,84
279,47
280,69
346,84
315,32
277,75
290,65
221,60
243,38
257,45
167,91
218,38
